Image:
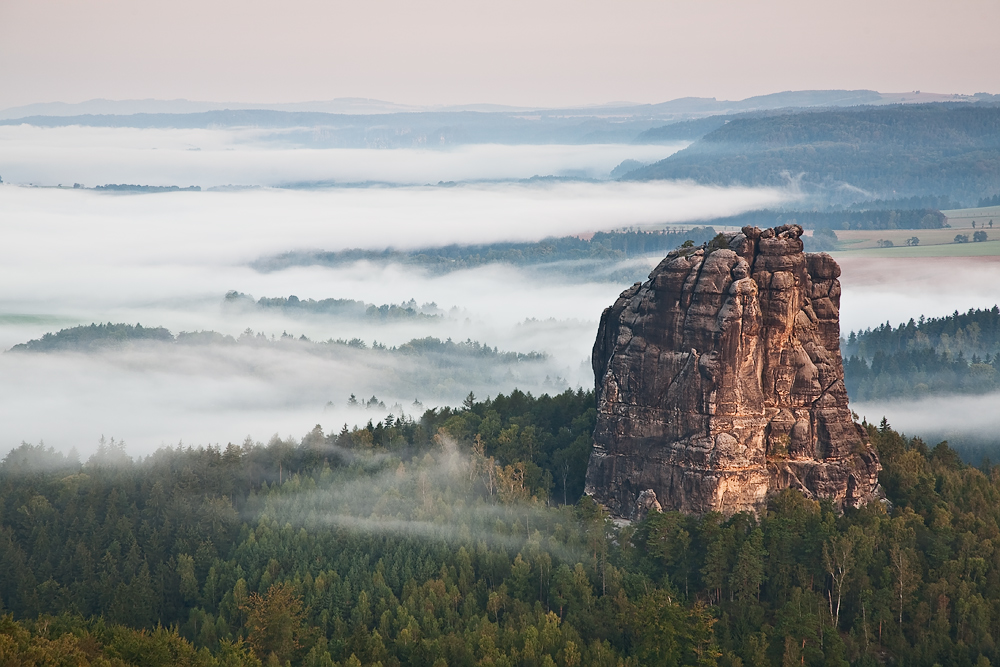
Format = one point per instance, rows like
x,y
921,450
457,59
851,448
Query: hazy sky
x,y
542,52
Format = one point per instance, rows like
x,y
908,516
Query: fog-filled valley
x,y
77,256
208,157
465,334
309,381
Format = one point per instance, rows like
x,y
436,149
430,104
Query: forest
x,y
462,538
849,155
870,218
959,353
103,336
352,308
126,187
602,249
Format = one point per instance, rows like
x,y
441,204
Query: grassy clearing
x,y
933,242
981,249
965,215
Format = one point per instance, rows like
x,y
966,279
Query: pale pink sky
x,y
537,52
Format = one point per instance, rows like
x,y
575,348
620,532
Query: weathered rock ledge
x,y
720,382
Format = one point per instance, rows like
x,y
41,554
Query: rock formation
x,y
720,382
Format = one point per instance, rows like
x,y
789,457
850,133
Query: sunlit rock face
x,y
720,382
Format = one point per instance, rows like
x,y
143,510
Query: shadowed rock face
x,y
720,382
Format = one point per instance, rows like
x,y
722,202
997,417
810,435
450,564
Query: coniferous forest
x,y
463,538
959,353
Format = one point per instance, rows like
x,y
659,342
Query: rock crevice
x,y
720,382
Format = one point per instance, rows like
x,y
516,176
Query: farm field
x,y
933,242
982,249
965,216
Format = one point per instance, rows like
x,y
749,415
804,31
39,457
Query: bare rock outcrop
x,y
720,382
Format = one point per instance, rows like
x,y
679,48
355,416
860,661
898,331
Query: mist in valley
x,y
298,308
78,256
254,157
880,290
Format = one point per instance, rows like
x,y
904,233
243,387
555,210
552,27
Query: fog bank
x,y
876,290
963,420
74,257
96,156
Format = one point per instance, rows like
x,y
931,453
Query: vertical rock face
x,y
720,382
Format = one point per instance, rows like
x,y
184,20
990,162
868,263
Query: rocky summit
x,y
720,382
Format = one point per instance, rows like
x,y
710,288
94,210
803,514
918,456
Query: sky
x,y
518,52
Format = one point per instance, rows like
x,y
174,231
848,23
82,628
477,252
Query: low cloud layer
x,y
877,290
962,420
96,156
75,257
153,394
78,256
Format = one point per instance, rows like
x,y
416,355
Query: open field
x,y
933,242
982,249
965,216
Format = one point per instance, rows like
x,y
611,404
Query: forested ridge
x,y
434,542
600,249
352,308
904,150
94,337
874,218
959,353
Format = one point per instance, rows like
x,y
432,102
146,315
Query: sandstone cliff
x,y
720,382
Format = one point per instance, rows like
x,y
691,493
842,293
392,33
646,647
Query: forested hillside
x,y
434,542
350,308
102,336
95,336
959,353
570,254
849,219
893,151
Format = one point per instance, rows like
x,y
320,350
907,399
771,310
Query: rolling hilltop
x,y
888,152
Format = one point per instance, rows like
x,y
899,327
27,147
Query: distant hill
x,y
425,129
874,152
358,105
365,123
126,187
685,130
344,308
93,337
570,255
111,336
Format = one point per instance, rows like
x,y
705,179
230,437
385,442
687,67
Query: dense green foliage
x,y
989,201
73,640
601,250
959,353
422,543
905,150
